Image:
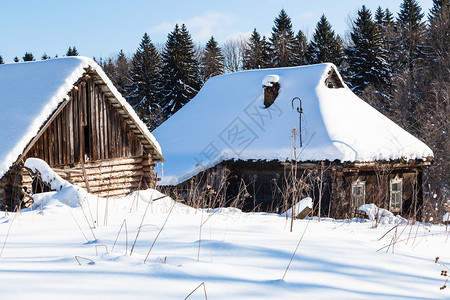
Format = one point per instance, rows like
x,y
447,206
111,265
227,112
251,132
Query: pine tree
x,y
181,79
28,56
436,10
325,46
388,17
108,66
411,33
211,61
384,21
1,60
366,57
300,49
122,72
439,33
257,52
145,89
72,51
379,16
408,64
282,41
435,110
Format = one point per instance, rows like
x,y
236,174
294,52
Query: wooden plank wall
x,y
87,113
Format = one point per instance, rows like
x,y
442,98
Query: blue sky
x,y
101,28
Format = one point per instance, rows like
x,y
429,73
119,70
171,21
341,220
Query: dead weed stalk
x,y
204,289
295,251
443,272
162,227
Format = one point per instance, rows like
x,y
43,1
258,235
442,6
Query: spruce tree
x,y
379,16
256,53
181,79
366,57
211,61
438,46
325,46
384,21
388,17
122,70
411,33
409,53
300,49
435,111
28,56
109,68
435,11
282,41
72,51
145,89
438,35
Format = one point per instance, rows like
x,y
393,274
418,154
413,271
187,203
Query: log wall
x,y
265,185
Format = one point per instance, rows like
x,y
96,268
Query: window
x,y
358,193
395,204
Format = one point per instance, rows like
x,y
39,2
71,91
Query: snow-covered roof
x,y
227,120
31,91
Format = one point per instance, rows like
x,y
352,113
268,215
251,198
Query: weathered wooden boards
x,y
88,128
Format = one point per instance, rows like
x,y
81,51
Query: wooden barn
x,y
68,113
267,138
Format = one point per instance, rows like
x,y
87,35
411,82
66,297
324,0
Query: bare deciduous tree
x,y
233,51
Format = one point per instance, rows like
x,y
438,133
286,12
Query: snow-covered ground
x,y
242,255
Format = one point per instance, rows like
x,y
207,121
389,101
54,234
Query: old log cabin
x,y
67,112
266,138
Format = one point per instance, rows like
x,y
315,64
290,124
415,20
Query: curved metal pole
x,y
300,111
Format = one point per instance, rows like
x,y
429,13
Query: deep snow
x,y
242,255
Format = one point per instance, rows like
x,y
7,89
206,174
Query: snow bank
x,y
65,192
299,207
30,92
159,203
227,120
68,194
47,174
242,257
384,216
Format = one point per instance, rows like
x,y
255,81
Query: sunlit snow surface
x,y
242,255
227,120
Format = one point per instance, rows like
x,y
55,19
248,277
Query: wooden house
x,y
68,113
302,133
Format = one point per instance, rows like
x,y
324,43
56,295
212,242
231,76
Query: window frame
x,y
358,198
396,195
